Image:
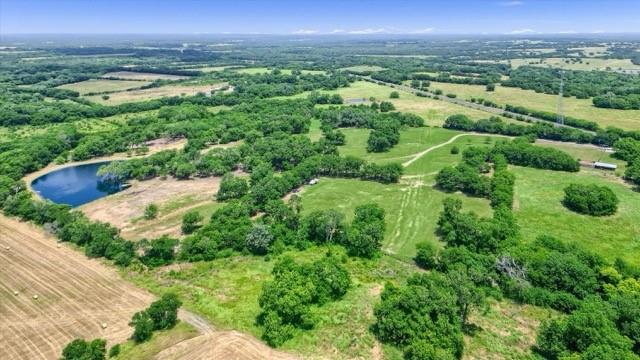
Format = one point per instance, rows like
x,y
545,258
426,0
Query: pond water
x,y
74,185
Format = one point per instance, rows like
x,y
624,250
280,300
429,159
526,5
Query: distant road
x,y
469,104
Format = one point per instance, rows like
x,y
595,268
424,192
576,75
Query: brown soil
x,y
125,209
76,295
222,345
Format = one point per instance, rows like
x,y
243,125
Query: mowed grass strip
x,y
579,108
412,207
539,210
103,85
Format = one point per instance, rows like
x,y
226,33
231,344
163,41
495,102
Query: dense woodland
x,y
267,117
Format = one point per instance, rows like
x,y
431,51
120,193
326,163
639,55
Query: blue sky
x,y
320,17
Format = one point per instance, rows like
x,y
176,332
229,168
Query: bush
x,y
191,221
455,150
590,199
114,351
151,211
394,95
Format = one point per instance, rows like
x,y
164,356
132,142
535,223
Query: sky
x,y
306,17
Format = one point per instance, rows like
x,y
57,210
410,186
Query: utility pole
x,y
560,95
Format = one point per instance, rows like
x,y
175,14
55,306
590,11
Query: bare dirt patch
x,y
125,209
222,345
76,295
133,75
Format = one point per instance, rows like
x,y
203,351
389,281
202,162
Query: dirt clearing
x,y
76,295
125,209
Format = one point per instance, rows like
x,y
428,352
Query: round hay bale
x,y
8,248
104,325
59,246
35,297
16,293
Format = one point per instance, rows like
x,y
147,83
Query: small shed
x,y
604,166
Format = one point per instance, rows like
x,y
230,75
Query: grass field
x,y
434,112
586,152
264,70
579,108
412,140
587,64
103,85
363,68
435,160
412,207
134,75
153,93
538,209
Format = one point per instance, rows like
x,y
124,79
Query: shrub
x,y
151,211
114,351
394,95
455,150
590,199
191,222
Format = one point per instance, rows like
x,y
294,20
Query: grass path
x,y
417,156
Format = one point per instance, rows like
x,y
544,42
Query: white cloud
x,y
567,32
522,31
305,31
422,31
597,32
368,31
337,31
511,3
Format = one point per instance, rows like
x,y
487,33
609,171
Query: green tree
x,y
590,199
164,311
394,95
259,239
191,221
79,349
142,325
232,187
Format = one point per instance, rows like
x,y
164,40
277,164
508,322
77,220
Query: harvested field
x,y
76,295
134,75
102,85
154,93
125,209
222,345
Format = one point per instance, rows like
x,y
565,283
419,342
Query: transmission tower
x,y
560,95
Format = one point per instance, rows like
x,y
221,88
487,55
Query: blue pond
x,y
75,185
